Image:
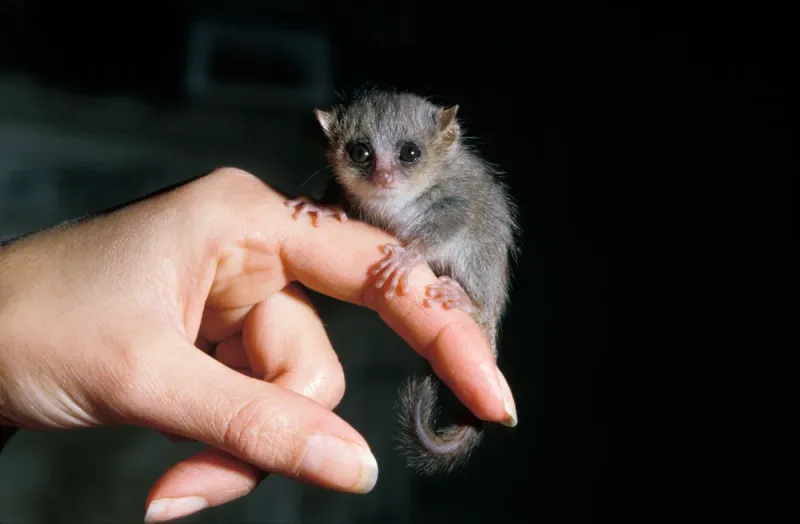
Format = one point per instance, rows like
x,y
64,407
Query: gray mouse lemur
x,y
401,164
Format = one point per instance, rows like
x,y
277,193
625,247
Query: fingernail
x,y
508,402
169,509
342,464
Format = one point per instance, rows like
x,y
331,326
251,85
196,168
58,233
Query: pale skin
x,y
396,265
107,322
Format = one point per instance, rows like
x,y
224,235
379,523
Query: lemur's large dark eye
x,y
409,153
360,153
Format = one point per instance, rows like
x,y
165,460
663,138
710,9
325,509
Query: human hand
x,y
105,322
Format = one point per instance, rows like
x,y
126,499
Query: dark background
x,y
650,153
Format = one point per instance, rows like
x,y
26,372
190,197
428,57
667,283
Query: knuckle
x,y
262,439
241,427
249,193
328,385
231,175
338,386
222,180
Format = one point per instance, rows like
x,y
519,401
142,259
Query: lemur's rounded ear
x,y
447,124
325,119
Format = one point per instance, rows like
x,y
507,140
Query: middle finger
x,y
285,339
284,342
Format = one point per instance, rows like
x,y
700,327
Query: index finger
x,y
335,259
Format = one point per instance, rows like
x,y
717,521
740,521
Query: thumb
x,y
190,394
